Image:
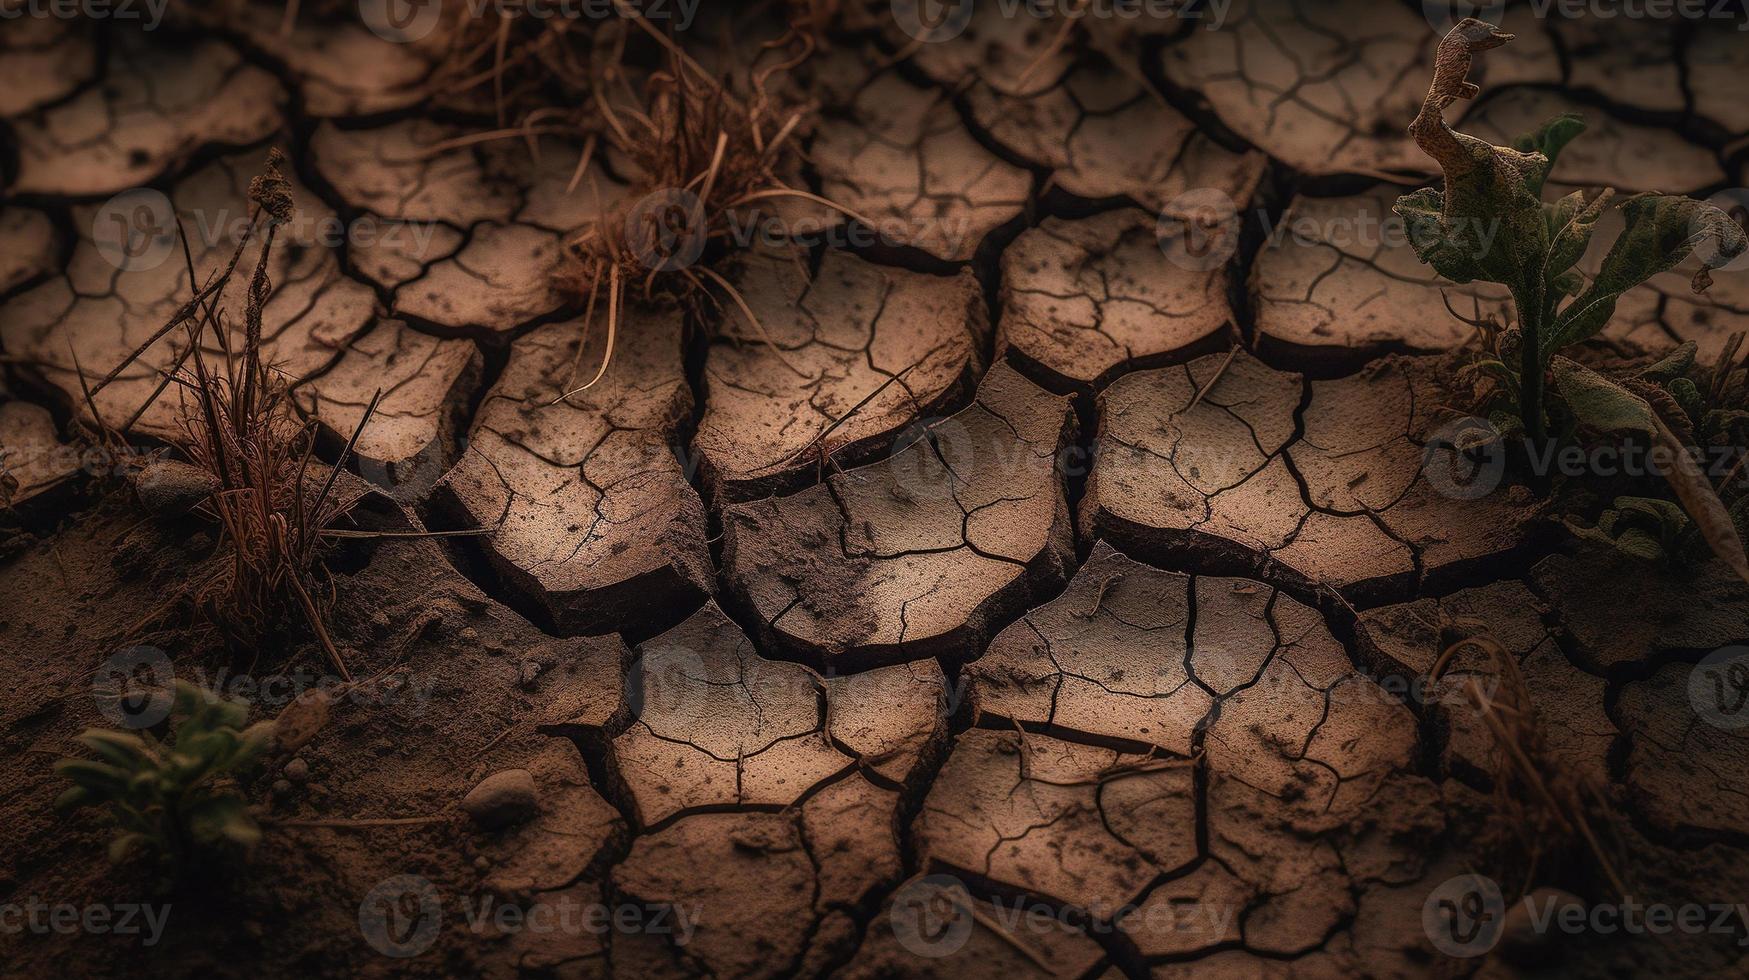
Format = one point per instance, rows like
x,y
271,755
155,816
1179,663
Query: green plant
x,y
174,800
1490,224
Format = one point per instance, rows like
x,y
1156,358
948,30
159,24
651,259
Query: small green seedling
x,y
1490,224
175,800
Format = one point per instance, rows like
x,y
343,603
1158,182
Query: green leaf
x,y
255,740
1599,403
223,818
74,798
1672,365
1662,231
117,748
1549,141
1572,221
96,776
123,845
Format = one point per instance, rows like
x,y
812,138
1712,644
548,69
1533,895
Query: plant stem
x,y
1530,371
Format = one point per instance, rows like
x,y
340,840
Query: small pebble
x,y
502,799
297,770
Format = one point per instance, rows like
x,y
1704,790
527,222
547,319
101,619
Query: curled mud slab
x,y
43,60
109,301
1102,134
465,238
1308,86
423,381
866,351
792,650
29,248
155,109
904,160
33,459
588,512
1332,493
916,556
338,67
1336,285
1403,643
1084,300
717,726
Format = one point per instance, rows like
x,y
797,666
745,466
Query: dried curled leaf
x,y
271,191
1662,232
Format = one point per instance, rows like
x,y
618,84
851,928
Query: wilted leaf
x,y
1601,404
1702,502
1662,231
1672,365
1572,220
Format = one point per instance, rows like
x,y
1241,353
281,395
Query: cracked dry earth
x,y
997,580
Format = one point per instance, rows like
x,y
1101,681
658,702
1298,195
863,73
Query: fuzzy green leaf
x,y
1601,404
1662,231
1549,141
1672,365
1572,221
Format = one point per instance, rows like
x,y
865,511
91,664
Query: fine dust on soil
x,y
997,582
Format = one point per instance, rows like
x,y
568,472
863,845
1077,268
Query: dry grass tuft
x,y
243,434
702,153
1544,813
